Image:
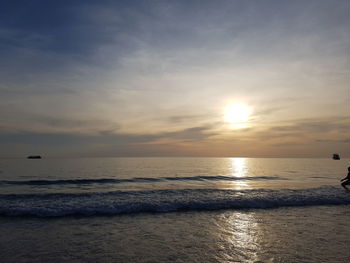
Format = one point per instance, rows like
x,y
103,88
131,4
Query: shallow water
x,y
303,234
222,210
108,174
60,187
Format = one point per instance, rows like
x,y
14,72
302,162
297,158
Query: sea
x,y
174,210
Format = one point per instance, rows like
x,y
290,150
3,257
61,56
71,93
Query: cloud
x,y
187,118
303,131
334,141
143,72
192,134
103,139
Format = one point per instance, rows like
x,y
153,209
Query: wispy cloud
x,y
147,72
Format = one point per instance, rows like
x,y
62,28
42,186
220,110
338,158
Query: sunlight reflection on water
x,y
238,168
242,235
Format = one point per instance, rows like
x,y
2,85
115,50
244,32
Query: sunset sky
x,y
175,78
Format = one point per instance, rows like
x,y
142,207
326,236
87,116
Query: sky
x,y
131,78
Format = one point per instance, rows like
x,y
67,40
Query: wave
x,y
136,180
157,201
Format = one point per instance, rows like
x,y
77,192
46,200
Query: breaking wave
x,y
159,201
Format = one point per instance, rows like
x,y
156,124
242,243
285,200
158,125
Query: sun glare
x,y
237,114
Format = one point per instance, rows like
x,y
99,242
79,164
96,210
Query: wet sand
x,y
298,234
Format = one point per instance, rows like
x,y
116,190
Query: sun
x,y
237,114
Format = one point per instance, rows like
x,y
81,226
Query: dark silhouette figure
x,y
336,156
346,180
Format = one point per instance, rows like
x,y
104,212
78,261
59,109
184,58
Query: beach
x,y
303,234
137,210
175,131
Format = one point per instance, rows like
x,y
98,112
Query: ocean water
x,y
174,210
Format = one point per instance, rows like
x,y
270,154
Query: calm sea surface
x,y
174,210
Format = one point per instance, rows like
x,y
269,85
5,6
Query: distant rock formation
x,y
34,157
